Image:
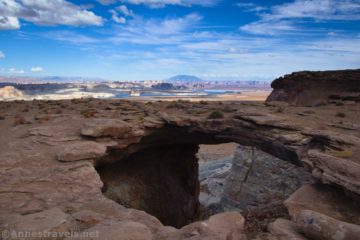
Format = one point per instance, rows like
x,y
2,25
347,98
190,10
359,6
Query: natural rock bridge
x,y
48,164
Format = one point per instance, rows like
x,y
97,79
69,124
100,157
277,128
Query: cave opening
x,y
182,182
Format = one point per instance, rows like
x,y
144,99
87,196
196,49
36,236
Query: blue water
x,y
176,94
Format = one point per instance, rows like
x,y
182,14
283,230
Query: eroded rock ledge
x,y
317,88
48,164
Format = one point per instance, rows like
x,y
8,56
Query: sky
x,y
156,39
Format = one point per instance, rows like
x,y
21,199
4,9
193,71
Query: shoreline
x,y
258,95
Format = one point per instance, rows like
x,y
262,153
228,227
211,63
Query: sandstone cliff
x,y
10,93
316,88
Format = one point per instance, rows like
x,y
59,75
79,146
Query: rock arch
x,y
50,164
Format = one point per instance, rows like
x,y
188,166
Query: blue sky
x,y
155,39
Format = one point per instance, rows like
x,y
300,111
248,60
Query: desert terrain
x,y
126,169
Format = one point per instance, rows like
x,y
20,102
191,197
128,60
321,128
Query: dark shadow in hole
x,y
163,181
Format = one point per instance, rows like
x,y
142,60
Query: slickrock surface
x,y
49,152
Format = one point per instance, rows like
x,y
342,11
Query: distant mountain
x,y
70,79
184,78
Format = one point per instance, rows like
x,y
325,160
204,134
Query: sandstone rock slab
x,y
105,128
84,150
285,229
52,221
336,170
325,200
321,227
114,230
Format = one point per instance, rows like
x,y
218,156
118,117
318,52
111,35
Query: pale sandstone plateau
x,y
129,170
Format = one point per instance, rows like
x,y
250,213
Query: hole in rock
x,y
163,181
181,183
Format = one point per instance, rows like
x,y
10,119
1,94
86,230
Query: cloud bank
x,y
54,12
285,18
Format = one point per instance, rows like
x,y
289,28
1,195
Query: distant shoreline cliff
x,y
309,88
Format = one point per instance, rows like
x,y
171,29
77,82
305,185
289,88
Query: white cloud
x,y
214,54
168,31
155,31
116,18
124,10
163,3
318,9
69,37
16,71
335,44
268,27
181,44
55,12
2,55
106,2
37,69
251,7
284,18
9,23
